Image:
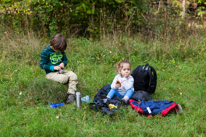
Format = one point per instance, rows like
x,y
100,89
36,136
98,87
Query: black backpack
x,y
145,78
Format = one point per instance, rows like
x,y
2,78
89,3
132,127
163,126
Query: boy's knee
x,y
73,76
63,81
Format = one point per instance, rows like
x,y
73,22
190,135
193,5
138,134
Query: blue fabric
x,y
156,107
113,92
52,68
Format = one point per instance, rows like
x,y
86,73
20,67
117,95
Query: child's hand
x,y
117,85
57,68
61,65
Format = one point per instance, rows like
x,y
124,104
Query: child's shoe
x,y
123,102
70,99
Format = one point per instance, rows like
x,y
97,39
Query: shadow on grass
x,y
44,91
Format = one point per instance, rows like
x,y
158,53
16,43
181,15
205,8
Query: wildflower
x,y
20,93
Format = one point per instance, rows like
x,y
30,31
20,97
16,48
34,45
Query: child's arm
x,y
64,59
64,62
114,86
44,62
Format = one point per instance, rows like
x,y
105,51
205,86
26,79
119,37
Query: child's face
x,y
125,71
54,49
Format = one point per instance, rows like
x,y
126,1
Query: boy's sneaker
x,y
70,99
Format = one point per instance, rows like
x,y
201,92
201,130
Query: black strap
x,y
93,106
153,76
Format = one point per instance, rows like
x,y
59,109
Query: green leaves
x,y
53,16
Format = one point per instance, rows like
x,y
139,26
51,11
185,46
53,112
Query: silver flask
x,y
78,99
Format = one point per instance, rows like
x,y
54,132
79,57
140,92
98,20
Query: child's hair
x,y
58,42
119,65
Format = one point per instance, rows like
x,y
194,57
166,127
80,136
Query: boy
x,y
53,60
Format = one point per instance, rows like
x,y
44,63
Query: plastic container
x,y
56,105
61,71
86,99
78,99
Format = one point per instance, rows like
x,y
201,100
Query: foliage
x,y
88,18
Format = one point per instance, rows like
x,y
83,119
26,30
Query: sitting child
x,y
53,60
122,84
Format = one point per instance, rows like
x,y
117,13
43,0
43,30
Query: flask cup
x,y
78,99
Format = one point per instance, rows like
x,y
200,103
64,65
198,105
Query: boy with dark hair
x,y
53,60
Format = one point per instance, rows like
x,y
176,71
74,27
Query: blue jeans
x,y
113,92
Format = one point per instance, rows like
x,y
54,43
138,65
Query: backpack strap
x,y
93,106
153,80
144,68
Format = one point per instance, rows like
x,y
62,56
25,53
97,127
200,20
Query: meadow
x,y
26,94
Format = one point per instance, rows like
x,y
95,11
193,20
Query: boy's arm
x,y
44,62
64,59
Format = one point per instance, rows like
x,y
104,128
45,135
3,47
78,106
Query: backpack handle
x,y
154,75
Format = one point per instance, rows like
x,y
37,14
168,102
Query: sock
x,y
125,98
108,97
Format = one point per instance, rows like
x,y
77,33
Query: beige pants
x,y
66,77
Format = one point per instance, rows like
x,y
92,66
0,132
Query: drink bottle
x,y
56,105
78,99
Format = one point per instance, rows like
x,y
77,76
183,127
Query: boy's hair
x,y
119,65
58,42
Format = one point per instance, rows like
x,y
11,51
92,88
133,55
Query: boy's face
x,y
55,49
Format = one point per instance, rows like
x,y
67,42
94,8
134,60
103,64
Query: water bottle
x,y
56,105
78,99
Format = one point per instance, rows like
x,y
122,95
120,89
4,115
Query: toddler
x,y
122,84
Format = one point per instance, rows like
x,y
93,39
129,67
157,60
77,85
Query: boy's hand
x,y
61,65
57,68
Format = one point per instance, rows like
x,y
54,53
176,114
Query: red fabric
x,y
165,111
139,110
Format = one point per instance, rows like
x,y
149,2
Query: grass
x,y
26,94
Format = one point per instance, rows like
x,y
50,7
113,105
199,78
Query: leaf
x,y
89,12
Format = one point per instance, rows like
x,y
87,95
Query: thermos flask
x,y
78,99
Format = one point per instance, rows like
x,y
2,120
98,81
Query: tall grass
x,y
26,94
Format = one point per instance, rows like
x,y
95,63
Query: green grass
x,y
26,94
